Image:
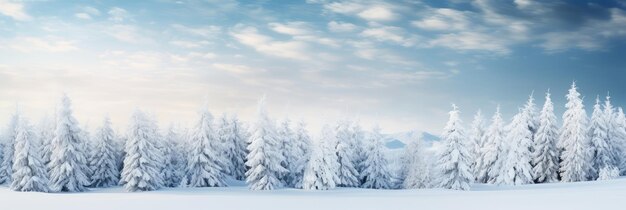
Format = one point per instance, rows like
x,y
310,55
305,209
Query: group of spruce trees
x,y
59,156
532,148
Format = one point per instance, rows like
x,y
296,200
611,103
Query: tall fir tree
x,y
173,169
265,157
545,156
29,173
286,137
346,155
358,140
8,137
143,160
601,131
237,152
205,158
46,129
69,171
574,140
515,169
321,170
103,160
376,173
302,148
477,133
492,146
620,140
415,166
455,159
224,135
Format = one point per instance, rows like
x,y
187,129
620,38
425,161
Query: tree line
x,y
57,155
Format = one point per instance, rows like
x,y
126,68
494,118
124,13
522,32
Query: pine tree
x,y
415,167
205,156
455,159
376,174
29,173
476,136
576,155
346,155
545,154
620,140
515,168
8,148
142,161
265,156
601,132
286,136
237,151
46,133
174,168
302,149
225,136
103,161
321,170
69,171
358,140
492,146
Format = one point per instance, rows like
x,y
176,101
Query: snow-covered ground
x,y
585,195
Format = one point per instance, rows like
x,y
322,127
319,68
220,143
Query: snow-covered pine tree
x,y
46,130
302,148
515,168
574,140
29,173
237,152
205,156
620,139
415,166
225,136
286,136
492,146
376,173
142,163
545,159
358,140
321,170
455,159
103,160
476,136
532,120
174,168
346,155
265,157
601,132
8,138
69,171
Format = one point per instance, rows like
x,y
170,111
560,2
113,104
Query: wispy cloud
x,y
14,9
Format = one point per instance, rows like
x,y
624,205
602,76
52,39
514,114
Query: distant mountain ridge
x,y
401,139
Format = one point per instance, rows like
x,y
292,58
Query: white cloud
x,y
236,68
291,28
117,14
341,27
91,11
391,34
344,7
443,19
13,9
125,33
188,44
42,44
377,13
83,16
203,31
264,44
471,41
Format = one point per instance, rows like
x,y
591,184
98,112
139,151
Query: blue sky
x,y
396,63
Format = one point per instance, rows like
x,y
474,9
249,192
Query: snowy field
x,y
585,195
